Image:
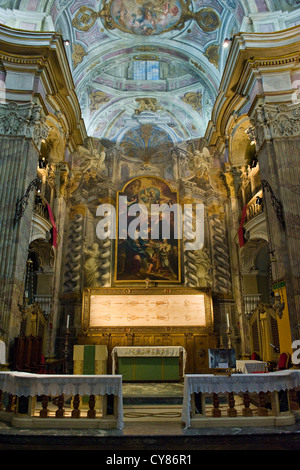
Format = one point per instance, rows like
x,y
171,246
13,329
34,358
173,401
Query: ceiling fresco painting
x,y
142,63
154,62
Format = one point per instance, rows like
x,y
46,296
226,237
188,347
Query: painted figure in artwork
x,y
146,17
144,256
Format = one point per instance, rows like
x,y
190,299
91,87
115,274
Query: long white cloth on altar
x,y
147,351
27,384
236,383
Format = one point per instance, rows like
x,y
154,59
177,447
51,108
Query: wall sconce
x,y
227,42
66,42
23,201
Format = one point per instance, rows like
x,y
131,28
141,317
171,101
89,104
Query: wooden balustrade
x,y
56,411
204,406
216,408
103,411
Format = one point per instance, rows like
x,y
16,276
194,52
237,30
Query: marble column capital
x,y
275,122
23,120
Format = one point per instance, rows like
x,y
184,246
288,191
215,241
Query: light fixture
x,y
258,201
227,42
66,42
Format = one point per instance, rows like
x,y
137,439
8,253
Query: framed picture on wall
x,y
147,244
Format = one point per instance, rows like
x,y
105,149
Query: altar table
x,y
148,363
251,366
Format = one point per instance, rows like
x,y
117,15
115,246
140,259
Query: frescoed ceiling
x,y
137,63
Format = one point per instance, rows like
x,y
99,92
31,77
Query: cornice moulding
x,y
253,56
43,54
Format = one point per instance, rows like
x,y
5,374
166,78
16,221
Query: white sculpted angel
x,y
200,160
93,160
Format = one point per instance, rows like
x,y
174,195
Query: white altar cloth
x,y
2,352
147,351
27,384
251,366
236,383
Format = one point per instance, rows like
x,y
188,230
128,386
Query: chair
x,y
283,361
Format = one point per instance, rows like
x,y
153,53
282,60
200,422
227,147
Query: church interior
x,y
110,111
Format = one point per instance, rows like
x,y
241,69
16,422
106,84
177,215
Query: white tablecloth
x,y
236,383
2,352
26,384
147,351
248,367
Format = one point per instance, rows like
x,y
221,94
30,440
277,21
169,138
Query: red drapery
x,y
54,231
241,228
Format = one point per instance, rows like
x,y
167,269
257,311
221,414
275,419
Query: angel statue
x,y
93,160
200,161
92,264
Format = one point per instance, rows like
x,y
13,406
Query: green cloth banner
x,y
89,360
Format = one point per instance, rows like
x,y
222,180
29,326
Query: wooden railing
x,y
266,399
95,402
61,401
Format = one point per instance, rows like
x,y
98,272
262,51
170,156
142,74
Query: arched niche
x,y
242,148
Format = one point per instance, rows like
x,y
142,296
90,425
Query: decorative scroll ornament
x,y
23,120
274,122
146,17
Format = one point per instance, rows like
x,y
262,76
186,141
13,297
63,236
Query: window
x,y
146,70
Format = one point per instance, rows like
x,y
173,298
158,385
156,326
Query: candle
x,y
68,321
228,324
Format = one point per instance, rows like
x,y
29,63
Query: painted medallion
x,y
146,17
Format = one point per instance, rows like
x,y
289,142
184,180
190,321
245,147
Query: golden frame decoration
x,y
88,330
147,278
207,18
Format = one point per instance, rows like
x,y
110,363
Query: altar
x,y
156,363
174,323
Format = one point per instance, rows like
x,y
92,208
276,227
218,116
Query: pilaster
x,y
21,130
277,134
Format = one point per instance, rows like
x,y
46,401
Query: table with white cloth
x,y
31,385
236,383
251,366
2,352
148,362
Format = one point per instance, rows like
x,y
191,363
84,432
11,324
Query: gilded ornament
x,y
213,54
146,17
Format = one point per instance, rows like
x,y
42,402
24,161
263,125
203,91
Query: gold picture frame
x,y
143,260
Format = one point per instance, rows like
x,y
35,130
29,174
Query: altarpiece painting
x,y
146,257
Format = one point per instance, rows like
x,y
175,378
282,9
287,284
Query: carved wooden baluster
x,y
294,403
60,412
247,411
92,412
44,410
76,403
216,412
11,403
262,410
231,401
